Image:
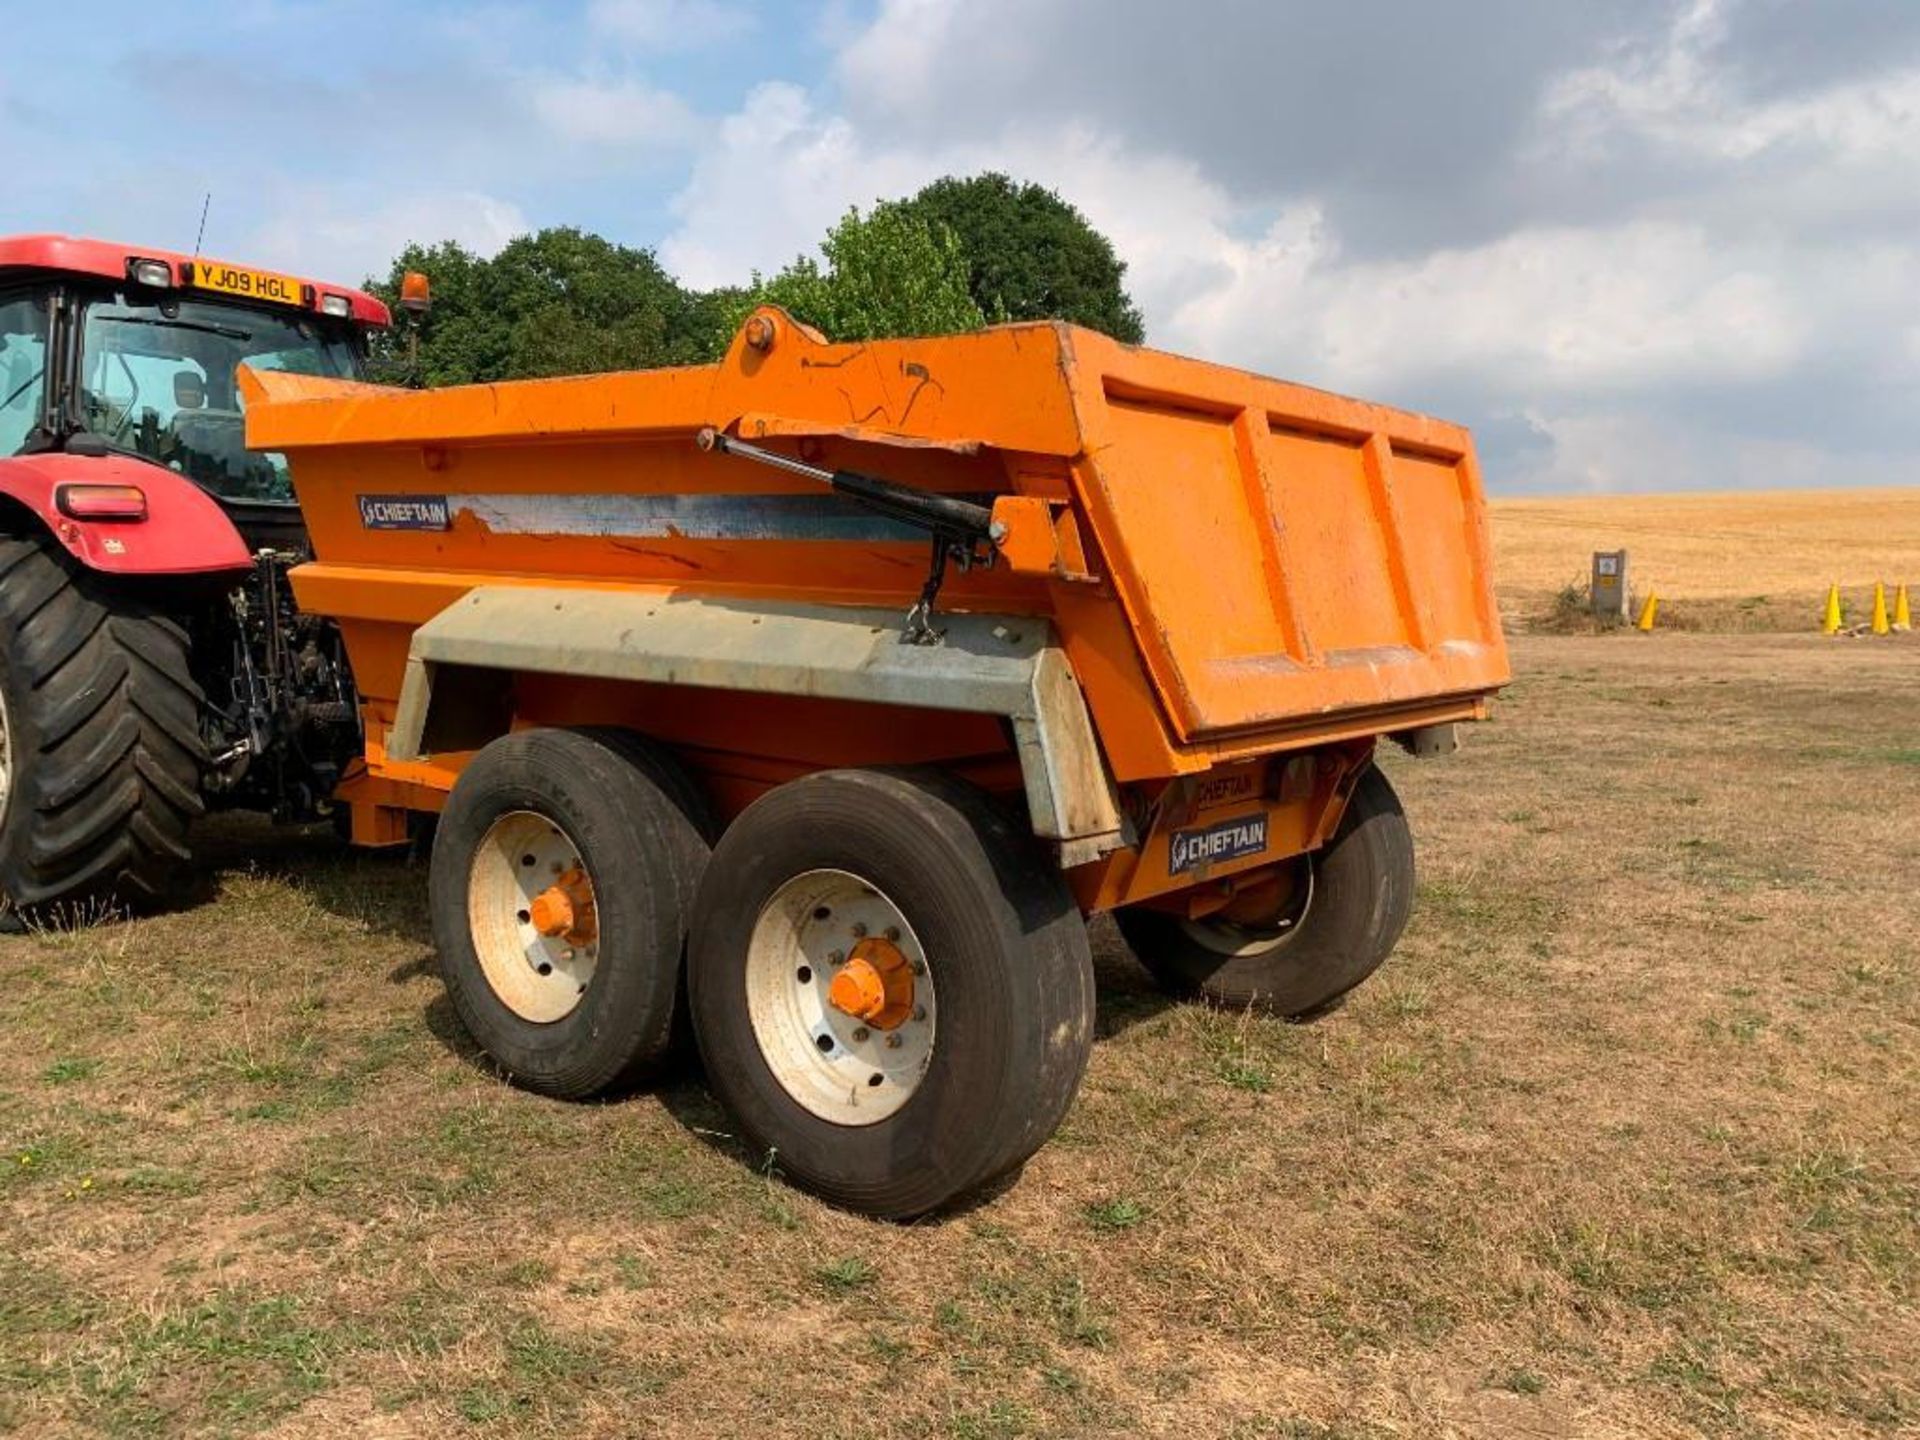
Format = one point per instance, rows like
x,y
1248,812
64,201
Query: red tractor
x,y
152,663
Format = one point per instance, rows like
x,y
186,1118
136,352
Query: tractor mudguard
x,y
184,530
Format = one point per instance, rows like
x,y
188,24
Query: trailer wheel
x,y
100,750
891,987
1328,928
563,872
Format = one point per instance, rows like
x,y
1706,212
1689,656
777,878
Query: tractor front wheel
x,y
101,757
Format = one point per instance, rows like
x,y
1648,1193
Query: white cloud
x,y
1634,304
669,24
626,113
1618,451
1670,90
1627,331
336,235
895,61
1545,310
775,176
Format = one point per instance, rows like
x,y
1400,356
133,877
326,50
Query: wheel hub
x,y
564,910
875,985
841,997
1261,918
531,912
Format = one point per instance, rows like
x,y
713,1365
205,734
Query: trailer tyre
x,y
891,988
100,750
563,872
1335,925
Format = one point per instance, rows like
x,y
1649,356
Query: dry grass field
x,y
1624,1142
1749,560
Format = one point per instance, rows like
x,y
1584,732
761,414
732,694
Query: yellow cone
x,y
1831,625
1648,612
1902,610
1880,626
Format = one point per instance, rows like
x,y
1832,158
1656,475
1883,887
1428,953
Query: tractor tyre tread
x,y
107,758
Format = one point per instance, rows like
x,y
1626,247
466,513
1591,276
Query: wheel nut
x,y
893,1042
860,1036
893,933
838,957
919,967
859,930
920,1012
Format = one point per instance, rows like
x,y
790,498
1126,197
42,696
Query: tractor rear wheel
x,y
891,987
101,757
563,871
1333,919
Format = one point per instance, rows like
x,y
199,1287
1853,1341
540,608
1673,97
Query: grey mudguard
x,y
1010,665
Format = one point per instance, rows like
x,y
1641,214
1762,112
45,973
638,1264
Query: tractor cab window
x,y
23,368
157,377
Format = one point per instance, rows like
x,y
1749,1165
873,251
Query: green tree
x,y
1030,255
560,302
887,273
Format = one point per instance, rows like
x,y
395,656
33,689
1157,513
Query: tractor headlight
x,y
157,273
336,305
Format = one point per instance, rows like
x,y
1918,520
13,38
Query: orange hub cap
x,y
875,986
565,908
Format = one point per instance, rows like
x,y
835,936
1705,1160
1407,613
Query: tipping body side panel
x,y
1266,567
1282,552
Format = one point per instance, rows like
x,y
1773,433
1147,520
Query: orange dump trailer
x,y
860,674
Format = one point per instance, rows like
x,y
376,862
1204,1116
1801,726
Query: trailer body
x,y
1237,571
846,679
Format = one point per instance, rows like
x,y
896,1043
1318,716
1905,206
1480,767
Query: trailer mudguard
x,y
184,531
1009,665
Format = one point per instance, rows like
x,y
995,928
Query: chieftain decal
x,y
1228,840
404,512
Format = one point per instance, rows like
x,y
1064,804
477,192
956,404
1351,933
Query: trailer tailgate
x,y
1283,553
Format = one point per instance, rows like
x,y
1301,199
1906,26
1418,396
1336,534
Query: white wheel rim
x,y
1224,937
6,759
835,1064
539,976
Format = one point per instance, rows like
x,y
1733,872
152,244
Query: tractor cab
x,y
127,491
109,350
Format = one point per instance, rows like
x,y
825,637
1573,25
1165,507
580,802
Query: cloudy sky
x,y
1637,244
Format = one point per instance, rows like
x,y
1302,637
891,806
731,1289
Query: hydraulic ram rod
x,y
960,522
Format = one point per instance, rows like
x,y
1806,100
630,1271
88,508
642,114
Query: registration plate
x,y
246,284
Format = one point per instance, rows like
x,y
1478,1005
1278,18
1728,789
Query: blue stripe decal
x,y
690,517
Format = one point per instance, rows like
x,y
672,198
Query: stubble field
x,y
1623,1141
1741,561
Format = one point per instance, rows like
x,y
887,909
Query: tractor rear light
x,y
157,273
337,305
101,502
